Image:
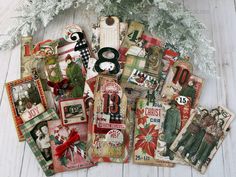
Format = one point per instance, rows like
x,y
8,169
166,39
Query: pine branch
x,y
170,21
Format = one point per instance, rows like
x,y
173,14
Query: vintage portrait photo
x,y
27,100
36,134
25,96
41,137
201,137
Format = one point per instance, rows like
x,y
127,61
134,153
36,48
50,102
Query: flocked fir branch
x,y
167,20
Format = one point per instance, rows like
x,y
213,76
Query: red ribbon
x,y
151,41
62,85
73,137
170,53
122,52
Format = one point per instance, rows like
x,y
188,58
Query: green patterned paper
x,y
38,144
132,62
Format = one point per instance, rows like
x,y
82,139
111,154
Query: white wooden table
x,y
16,159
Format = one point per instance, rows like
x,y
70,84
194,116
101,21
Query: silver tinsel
x,y
163,18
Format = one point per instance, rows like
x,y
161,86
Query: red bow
x,y
73,137
62,85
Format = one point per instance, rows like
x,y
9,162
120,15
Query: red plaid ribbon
x,y
151,41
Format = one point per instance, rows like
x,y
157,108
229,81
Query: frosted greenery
x,y
169,21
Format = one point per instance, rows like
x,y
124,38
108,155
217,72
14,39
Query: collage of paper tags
x,y
124,95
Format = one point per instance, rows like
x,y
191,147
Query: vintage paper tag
x,y
154,62
72,111
68,145
109,32
170,56
36,135
27,100
180,82
132,62
201,137
26,55
109,130
96,30
133,35
147,125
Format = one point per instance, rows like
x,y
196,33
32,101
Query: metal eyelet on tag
x,y
110,21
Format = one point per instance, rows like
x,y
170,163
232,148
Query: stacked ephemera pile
x,y
77,104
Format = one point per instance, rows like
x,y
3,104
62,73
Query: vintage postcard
x,y
147,124
109,131
36,134
201,137
27,100
174,117
72,111
68,144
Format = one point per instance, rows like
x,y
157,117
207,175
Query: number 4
x,y
133,35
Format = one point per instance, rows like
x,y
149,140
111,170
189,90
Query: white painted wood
x,y
10,145
220,19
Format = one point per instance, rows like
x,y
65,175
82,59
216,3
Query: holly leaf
x,y
81,145
147,125
56,141
137,131
63,160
